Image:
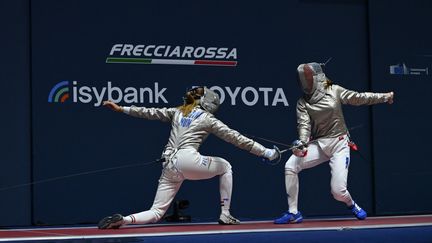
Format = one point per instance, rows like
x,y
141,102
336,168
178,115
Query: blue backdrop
x,y
15,122
68,56
402,58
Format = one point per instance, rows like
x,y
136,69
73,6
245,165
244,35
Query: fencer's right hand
x,y
299,148
274,155
113,106
270,154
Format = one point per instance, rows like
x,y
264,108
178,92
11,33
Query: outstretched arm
x,y
363,98
113,106
234,137
163,114
390,97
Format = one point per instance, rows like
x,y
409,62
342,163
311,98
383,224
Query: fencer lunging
x,y
323,136
191,123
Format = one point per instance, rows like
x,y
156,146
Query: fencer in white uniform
x,y
190,126
323,136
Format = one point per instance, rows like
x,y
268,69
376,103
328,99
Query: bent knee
x,y
339,194
228,167
225,166
291,166
289,171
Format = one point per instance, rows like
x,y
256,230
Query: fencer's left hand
x,y
113,106
389,97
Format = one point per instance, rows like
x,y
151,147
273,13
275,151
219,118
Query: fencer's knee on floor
x,y
158,214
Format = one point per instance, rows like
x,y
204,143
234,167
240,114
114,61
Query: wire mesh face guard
x,y
196,92
207,98
308,76
210,100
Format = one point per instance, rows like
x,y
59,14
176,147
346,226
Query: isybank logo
x,y
59,93
66,91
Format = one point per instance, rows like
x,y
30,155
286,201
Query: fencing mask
x,y
312,78
208,99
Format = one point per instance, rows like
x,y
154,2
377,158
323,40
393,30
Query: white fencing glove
x,y
299,148
272,155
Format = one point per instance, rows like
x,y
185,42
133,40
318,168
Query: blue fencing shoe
x,y
358,211
289,218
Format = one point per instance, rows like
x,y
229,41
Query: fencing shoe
x,y
358,211
228,219
111,222
289,218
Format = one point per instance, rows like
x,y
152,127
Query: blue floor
x,y
394,235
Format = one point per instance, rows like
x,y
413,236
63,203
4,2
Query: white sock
x,y
225,211
129,219
225,187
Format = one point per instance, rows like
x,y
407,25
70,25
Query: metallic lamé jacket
x,y
192,130
325,118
